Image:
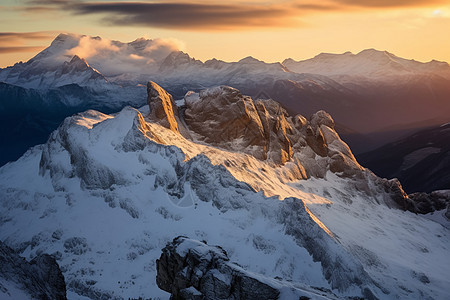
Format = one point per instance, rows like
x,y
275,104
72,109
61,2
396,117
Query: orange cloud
x,y
390,3
212,15
88,47
20,49
20,38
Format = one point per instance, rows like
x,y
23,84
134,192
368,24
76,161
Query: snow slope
x,y
107,240
107,192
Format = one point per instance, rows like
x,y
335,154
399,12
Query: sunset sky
x,y
230,30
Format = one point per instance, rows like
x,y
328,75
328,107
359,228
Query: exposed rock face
x,y
162,107
223,117
190,269
40,278
425,203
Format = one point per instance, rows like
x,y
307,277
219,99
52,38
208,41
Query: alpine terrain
x,y
215,196
373,95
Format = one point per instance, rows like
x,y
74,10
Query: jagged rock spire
x,y
162,107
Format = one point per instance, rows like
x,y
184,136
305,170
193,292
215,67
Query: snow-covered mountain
x,y
283,195
76,59
369,64
37,74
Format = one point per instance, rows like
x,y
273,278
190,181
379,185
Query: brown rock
x,y
162,107
190,269
316,141
224,117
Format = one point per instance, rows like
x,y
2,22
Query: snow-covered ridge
x,y
107,192
370,63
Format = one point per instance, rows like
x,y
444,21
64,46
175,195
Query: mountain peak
x,y
140,40
76,64
325,55
250,60
140,43
80,71
77,59
176,59
371,52
63,38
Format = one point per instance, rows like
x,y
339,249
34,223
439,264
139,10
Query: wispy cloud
x,y
184,15
4,50
208,15
14,37
189,15
12,42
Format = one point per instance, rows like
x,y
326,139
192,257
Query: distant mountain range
x,y
420,161
365,92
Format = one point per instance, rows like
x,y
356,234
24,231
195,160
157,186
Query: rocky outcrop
x,y
223,117
190,269
41,278
162,107
424,203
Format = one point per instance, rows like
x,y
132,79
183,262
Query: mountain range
x,y
269,204
366,92
421,161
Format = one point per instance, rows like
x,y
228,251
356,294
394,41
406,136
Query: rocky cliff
x,y
41,278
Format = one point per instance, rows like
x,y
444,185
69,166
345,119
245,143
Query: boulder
x,y
189,269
